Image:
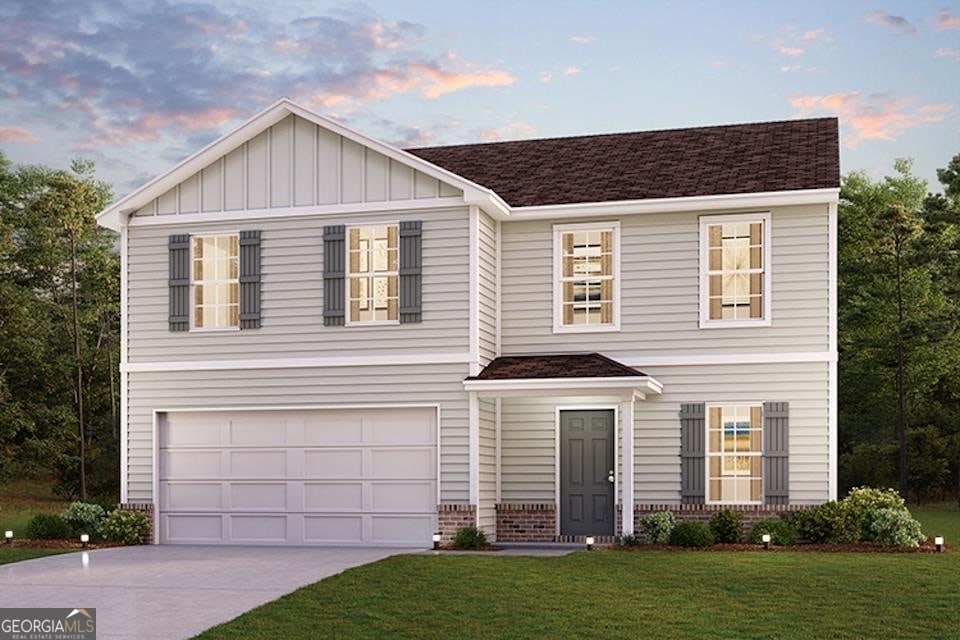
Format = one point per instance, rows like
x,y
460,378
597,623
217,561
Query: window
x,y
735,280
215,278
586,277
734,450
373,279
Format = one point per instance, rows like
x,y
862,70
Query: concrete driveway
x,y
172,591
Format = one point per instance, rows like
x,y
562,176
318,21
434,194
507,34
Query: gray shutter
x,y
776,471
693,434
411,268
334,263
179,282
249,279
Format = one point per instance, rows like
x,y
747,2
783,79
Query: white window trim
x,y
707,456
193,296
766,320
347,273
558,231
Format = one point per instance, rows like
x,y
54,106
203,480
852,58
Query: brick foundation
x,y
453,517
146,508
526,522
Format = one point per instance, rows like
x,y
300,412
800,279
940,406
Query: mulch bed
x,y
450,547
27,543
860,547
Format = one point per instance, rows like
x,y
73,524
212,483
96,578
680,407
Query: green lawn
x,y
608,594
20,500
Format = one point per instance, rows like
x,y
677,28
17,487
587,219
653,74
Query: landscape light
x,y
9,536
85,559
590,541
85,539
436,541
766,540
937,541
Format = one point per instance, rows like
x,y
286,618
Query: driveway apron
x,y
172,591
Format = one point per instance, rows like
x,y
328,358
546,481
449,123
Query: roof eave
x,y
642,384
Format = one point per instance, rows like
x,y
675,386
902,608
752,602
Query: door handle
x,y
610,477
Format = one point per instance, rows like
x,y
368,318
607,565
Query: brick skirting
x,y
146,508
526,522
453,517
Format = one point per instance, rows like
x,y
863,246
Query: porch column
x,y
473,453
626,485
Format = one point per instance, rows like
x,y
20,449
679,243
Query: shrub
x,y
126,527
781,533
864,502
657,526
727,526
896,528
45,526
689,533
630,540
469,538
830,522
84,517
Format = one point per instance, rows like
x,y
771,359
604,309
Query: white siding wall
x,y
486,509
488,289
292,294
341,386
660,290
296,163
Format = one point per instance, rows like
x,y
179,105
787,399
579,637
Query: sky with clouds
x,y
138,85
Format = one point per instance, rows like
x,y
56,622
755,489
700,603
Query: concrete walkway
x,y
172,591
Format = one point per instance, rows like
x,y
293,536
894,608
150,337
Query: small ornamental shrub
x,y
727,526
781,533
690,533
84,517
830,522
126,527
864,502
895,528
469,538
656,527
630,540
46,526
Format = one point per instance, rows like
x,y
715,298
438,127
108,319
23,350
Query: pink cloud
x,y
811,35
546,76
146,127
571,71
797,67
946,20
511,131
436,82
793,52
873,117
948,53
897,23
16,134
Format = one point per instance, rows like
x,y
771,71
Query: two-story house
x,y
329,340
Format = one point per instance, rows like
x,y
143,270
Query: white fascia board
x,y
296,363
644,384
675,205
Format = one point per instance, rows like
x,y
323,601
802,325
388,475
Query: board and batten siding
x,y
296,163
292,294
487,498
528,447
307,387
659,285
488,288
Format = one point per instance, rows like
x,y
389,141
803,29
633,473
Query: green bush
x,y
126,527
630,540
727,526
657,526
470,538
689,533
830,522
896,528
84,517
781,533
864,502
45,526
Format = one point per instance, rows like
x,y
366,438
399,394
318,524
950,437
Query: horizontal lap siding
x,y
396,385
292,295
657,425
486,509
488,289
659,266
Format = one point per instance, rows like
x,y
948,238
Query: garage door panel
x,y
338,428
333,463
401,463
333,496
258,496
403,496
394,529
260,432
193,433
387,428
206,496
193,528
258,464
258,528
333,528
191,464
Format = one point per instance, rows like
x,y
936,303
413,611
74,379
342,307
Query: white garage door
x,y
324,477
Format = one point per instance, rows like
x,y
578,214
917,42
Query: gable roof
x,y
734,159
566,365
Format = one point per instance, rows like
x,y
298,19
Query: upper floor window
x,y
734,270
734,453
373,275
586,277
215,278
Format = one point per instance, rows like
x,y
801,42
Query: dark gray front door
x,y
586,468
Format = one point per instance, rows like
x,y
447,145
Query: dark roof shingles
x,y
732,159
577,365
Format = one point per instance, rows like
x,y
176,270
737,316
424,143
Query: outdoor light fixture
x,y
766,540
85,559
436,541
590,542
9,536
937,541
85,539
